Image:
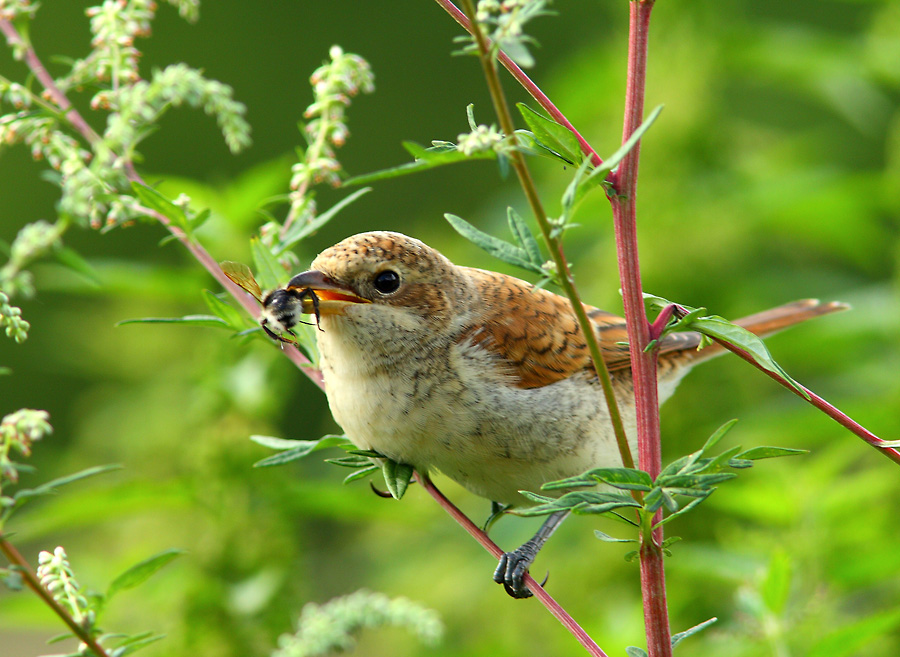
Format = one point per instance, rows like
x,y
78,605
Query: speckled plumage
x,y
475,373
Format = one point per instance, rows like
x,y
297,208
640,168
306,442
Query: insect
x,y
278,305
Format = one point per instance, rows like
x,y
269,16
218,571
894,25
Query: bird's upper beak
x,y
331,297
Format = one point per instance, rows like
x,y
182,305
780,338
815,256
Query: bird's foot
x,y
513,567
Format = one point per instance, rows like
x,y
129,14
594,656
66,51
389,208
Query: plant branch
x,y
526,83
554,244
16,559
831,411
546,599
643,364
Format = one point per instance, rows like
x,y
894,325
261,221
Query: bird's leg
x,y
513,565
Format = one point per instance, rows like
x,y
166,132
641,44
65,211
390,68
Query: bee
x,y
281,308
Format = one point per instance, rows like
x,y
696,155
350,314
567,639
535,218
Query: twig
x,y
831,411
546,599
15,558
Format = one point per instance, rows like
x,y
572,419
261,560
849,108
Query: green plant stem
x,y
31,579
554,244
643,364
526,83
545,598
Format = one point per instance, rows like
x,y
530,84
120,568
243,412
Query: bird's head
x,y
378,280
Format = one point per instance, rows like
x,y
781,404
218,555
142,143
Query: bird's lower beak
x,y
330,297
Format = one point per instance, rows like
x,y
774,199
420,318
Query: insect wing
x,y
241,276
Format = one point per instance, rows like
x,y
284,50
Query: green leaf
x,y
153,200
350,461
524,237
51,486
361,473
498,248
757,453
685,509
269,271
612,539
228,313
551,135
299,449
397,477
623,478
700,481
681,636
73,260
634,651
426,158
300,231
613,160
141,572
527,143
196,320
135,643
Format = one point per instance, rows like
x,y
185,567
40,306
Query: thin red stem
x,y
643,364
546,599
831,411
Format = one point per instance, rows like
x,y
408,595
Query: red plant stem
x,y
460,17
16,558
834,413
643,365
546,599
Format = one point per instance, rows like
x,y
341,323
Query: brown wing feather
x,y
536,335
539,340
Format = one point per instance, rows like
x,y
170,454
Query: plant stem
x,y
546,599
643,364
554,244
15,558
834,413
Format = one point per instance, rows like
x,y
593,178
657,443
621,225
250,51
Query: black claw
x,y
512,569
379,493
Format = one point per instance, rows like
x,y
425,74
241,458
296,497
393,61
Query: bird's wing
x,y
535,334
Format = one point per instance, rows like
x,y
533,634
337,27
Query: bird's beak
x,y
331,297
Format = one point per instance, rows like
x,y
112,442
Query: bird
x,y
473,373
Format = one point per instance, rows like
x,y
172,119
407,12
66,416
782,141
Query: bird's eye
x,y
387,281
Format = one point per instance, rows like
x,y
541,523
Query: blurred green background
x,y
773,174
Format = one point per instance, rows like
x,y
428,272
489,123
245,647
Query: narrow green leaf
x,y
228,313
757,453
284,443
199,219
634,651
135,645
524,237
300,231
552,135
141,572
586,508
612,539
717,435
51,486
685,509
613,160
350,461
397,477
623,478
196,320
681,636
426,158
701,481
153,200
527,143
73,260
361,473
496,247
269,271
